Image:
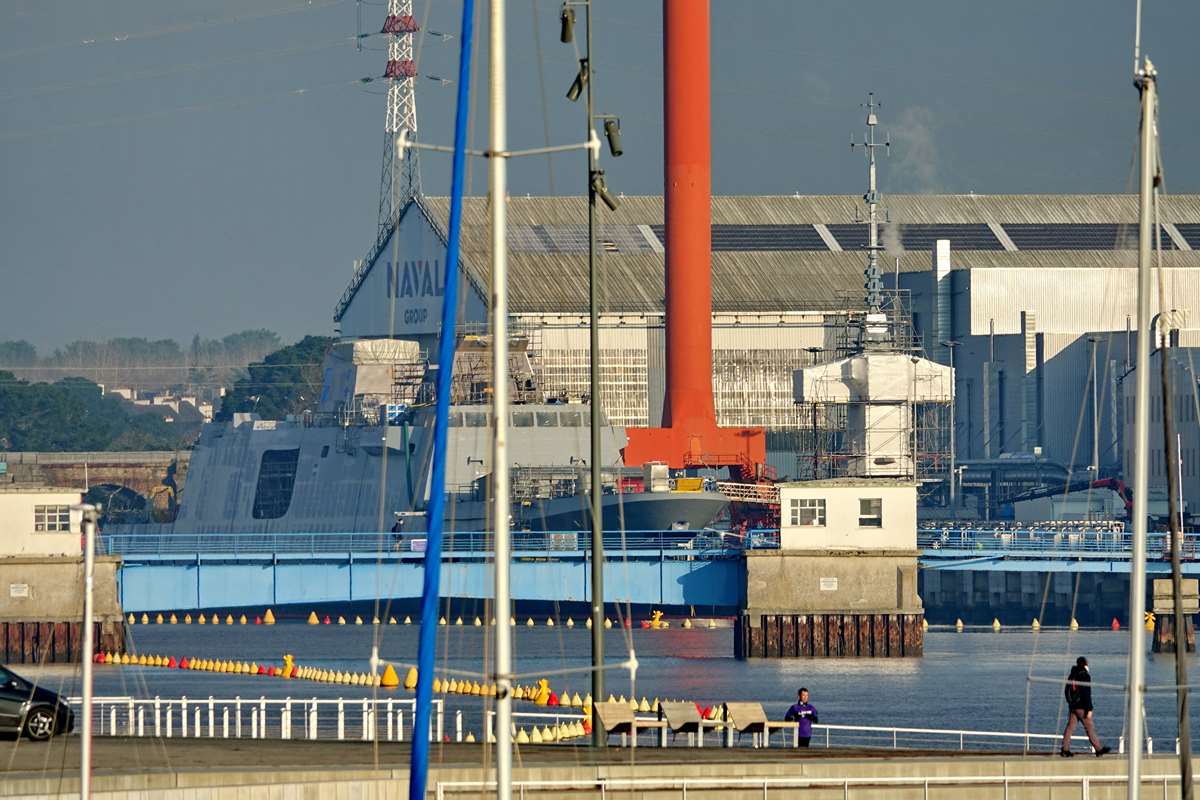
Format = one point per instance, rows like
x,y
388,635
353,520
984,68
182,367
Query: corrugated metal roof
x,y
632,280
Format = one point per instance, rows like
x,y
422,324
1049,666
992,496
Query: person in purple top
x,y
804,714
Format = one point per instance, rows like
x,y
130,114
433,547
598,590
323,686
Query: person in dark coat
x,y
1079,708
804,714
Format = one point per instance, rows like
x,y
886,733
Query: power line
x,y
184,27
176,69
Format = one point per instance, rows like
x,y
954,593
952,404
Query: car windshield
x,y
6,677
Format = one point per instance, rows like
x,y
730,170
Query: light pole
x,y
91,513
1095,465
597,189
950,344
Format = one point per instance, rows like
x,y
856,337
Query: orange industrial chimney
x,y
690,436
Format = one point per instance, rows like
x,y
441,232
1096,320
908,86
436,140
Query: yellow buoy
x,y
523,737
375,621
407,620
410,679
712,624
215,619
458,621
924,624
576,701
199,618
341,620
995,624
958,625
512,620
644,705
269,617
529,622
390,680
549,622
145,618
536,736
391,620
633,704
478,623
441,621
687,624
242,619
187,619
229,619
358,620
173,619
158,619
588,623
1036,625
607,622
131,619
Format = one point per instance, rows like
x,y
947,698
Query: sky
x,y
168,169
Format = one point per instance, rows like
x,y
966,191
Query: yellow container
x,y
689,484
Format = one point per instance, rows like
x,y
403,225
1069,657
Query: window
x,y
51,518
870,512
522,419
808,511
276,479
569,419
547,419
476,419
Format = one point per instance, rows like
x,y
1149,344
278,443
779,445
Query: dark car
x,y
36,712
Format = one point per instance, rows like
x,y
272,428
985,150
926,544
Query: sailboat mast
x,y
498,194
1145,80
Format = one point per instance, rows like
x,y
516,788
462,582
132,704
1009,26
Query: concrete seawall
x,y
144,769
978,596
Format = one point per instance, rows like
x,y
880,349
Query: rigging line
x,y
1034,651
175,69
166,112
537,39
183,27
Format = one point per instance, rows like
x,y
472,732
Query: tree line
x,y
145,364
73,413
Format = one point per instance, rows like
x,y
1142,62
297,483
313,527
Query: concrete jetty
x,y
141,769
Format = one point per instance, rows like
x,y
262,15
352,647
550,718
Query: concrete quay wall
x,y
41,605
890,776
977,596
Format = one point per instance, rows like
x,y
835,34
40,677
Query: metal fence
x,y
340,719
788,787
786,734
686,542
1114,544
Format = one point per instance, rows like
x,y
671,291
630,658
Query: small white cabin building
x,y
39,521
848,514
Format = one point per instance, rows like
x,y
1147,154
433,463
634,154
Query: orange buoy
x,y
552,700
185,664
262,670
257,620
172,663
1116,625
327,620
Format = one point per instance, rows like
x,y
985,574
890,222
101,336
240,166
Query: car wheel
x,y
39,725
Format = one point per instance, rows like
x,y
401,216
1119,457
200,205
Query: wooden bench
x,y
681,718
745,718
618,718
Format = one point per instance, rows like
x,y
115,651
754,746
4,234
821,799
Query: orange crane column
x,y
687,191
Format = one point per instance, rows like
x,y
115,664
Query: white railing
x,y
893,738
385,719
786,787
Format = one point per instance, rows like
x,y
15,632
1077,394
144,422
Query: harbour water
x,y
972,680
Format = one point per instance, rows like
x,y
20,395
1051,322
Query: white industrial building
x,y
1023,284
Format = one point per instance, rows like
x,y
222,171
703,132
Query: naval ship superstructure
x,y
324,470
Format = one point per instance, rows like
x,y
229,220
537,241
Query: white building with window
x,y
848,514
38,521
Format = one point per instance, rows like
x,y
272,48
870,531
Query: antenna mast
x,y
399,182
873,283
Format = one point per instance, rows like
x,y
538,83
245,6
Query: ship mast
x,y
873,283
1146,82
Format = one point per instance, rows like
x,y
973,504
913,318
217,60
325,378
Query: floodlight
x,y
600,189
567,18
612,130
